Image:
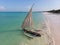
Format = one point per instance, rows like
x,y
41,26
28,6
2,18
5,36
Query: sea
x,y
11,32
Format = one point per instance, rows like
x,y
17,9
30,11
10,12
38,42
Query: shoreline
x,y
54,25
46,38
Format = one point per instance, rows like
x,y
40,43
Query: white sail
x,y
28,23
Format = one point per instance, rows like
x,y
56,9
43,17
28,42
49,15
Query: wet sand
x,y
43,40
53,20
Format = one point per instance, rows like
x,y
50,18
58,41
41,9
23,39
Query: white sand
x,y
54,24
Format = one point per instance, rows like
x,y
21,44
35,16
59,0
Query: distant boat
x,y
27,26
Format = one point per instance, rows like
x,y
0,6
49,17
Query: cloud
x,y
2,8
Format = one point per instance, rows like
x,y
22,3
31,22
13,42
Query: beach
x,y
46,35
53,21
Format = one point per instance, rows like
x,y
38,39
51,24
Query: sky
x,y
24,5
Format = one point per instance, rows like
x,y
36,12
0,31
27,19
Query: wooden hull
x,y
31,33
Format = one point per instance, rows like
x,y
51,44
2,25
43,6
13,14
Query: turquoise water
x,y
10,26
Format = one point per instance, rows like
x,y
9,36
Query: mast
x,y
28,23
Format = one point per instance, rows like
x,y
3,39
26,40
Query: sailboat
x,y
27,26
